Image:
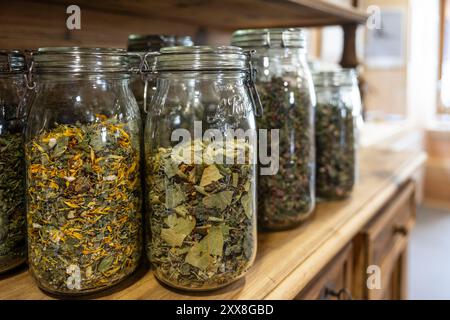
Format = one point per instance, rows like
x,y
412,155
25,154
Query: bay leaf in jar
x,y
202,221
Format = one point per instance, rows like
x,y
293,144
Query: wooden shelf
x,y
286,261
28,24
231,14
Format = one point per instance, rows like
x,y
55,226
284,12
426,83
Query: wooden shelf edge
x,y
325,13
351,15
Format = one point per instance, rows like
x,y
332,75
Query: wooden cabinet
x,y
374,265
334,282
380,249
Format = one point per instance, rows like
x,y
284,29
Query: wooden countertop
x,y
286,261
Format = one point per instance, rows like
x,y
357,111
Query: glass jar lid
x,y
338,78
154,42
202,58
12,61
271,38
80,60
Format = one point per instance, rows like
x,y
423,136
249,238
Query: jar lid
x,y
80,60
202,58
338,78
154,42
270,38
12,61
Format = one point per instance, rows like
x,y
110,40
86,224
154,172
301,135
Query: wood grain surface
x,y
286,261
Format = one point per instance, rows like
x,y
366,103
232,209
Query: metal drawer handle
x,y
343,294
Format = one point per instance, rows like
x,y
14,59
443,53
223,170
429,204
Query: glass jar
x,y
285,86
83,171
144,85
202,189
12,160
338,112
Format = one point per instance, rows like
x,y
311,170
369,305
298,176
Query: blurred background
x,y
404,67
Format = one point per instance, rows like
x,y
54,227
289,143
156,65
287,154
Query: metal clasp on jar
x,y
30,83
251,84
145,70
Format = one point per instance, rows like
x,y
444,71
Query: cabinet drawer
x,y
395,222
383,243
334,281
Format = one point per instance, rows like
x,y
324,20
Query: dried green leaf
x,y
61,146
247,205
174,197
170,168
219,200
178,229
201,190
181,210
203,254
235,178
210,174
106,263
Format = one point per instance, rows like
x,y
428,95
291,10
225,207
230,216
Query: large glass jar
x,y
202,189
83,171
143,85
287,94
12,160
337,114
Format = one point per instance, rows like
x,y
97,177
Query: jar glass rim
x,y
270,38
203,58
80,60
335,78
154,42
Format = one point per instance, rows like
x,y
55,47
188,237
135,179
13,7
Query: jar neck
x,y
281,54
280,62
343,88
203,75
68,77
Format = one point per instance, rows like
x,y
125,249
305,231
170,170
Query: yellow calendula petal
x,y
77,235
38,147
132,168
92,156
53,185
71,205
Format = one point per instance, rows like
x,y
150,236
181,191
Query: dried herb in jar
x,y
12,201
335,150
203,216
285,199
84,205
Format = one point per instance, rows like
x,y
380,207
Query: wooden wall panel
x,y
387,88
437,173
25,24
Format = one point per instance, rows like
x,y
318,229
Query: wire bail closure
x,y
31,84
145,70
254,95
